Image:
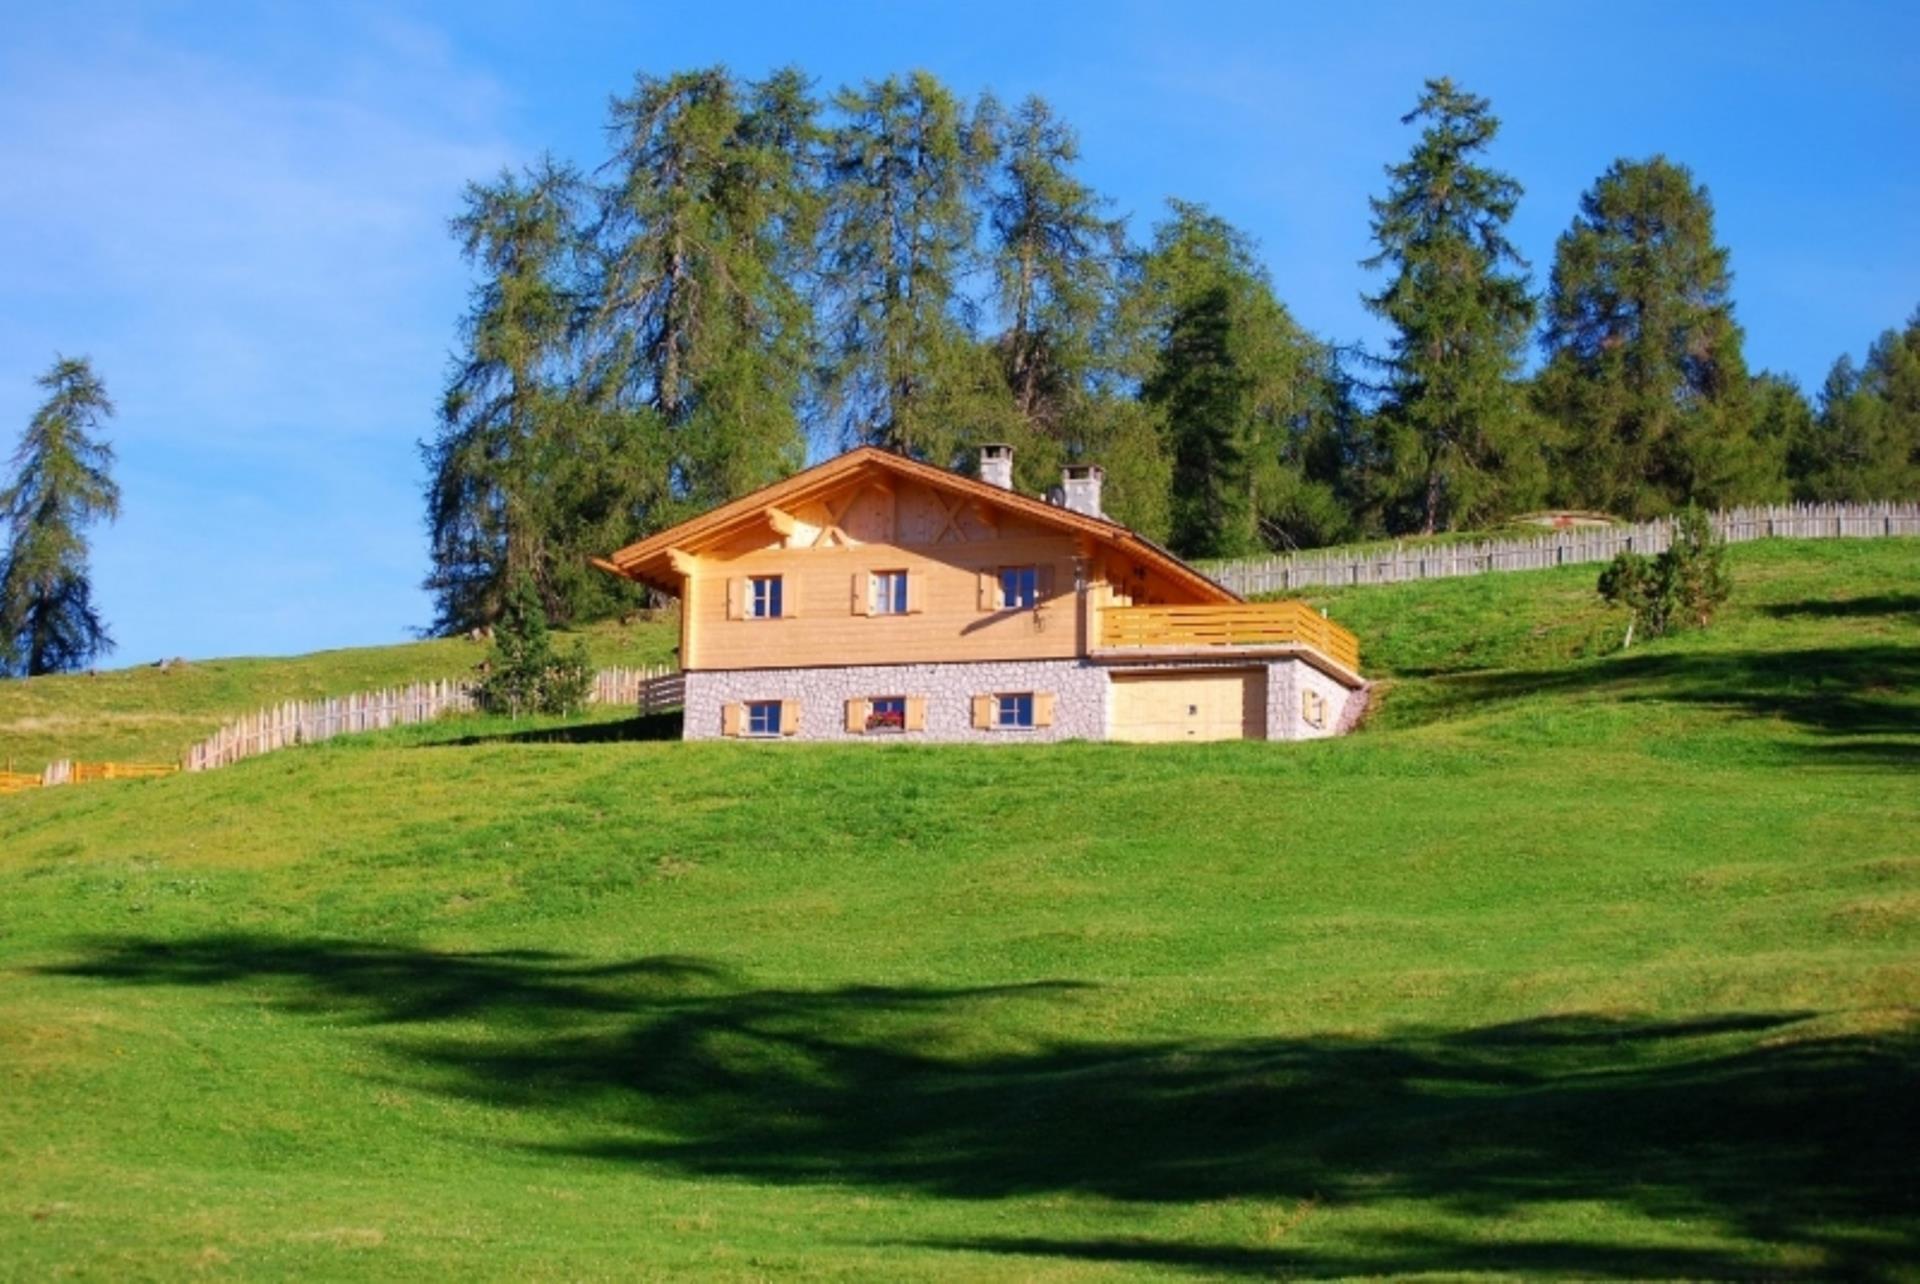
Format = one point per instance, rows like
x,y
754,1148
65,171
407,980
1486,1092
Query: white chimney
x,y
996,465
1080,486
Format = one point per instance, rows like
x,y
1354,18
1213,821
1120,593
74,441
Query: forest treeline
x,y
754,266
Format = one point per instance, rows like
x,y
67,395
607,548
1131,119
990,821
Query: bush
x,y
1680,589
527,676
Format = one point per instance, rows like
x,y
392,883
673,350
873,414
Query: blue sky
x,y
239,211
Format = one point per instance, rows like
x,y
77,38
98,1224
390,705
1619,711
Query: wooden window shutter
x,y
1043,708
736,598
1042,584
983,711
857,716
916,592
730,719
789,717
989,590
862,593
789,597
916,713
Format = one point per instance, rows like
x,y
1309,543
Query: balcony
x,y
1241,626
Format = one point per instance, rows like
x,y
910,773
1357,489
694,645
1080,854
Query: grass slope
x,y
1572,964
145,714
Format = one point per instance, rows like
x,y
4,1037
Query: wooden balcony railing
x,y
1239,624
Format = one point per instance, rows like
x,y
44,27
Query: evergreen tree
x,y
1644,373
905,163
1233,380
1455,440
1055,259
1866,442
1782,424
701,314
489,463
62,483
526,675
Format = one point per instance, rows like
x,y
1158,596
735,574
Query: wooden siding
x,y
827,621
1246,624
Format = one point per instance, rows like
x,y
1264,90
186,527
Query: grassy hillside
x,y
147,714
1571,964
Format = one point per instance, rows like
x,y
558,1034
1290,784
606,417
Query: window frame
x,y
773,597
881,599
874,711
1021,703
1027,577
752,710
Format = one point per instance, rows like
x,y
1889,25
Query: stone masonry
x,y
1080,692
1079,698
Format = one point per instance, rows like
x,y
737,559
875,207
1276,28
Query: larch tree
x,y
1645,376
62,483
906,160
1055,259
1866,442
1456,441
489,464
1233,381
701,314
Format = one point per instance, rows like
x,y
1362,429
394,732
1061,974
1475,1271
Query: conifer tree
x,y
1866,443
488,465
61,483
905,163
1055,259
1645,375
1455,439
701,314
1232,378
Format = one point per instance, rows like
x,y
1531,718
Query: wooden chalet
x,y
876,596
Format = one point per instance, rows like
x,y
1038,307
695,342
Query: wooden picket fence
x,y
649,690
1399,563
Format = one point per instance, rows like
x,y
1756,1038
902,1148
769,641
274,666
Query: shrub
x,y
527,676
1680,589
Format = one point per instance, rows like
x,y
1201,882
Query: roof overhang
x,y
662,561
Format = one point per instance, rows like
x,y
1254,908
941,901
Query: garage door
x,y
1229,704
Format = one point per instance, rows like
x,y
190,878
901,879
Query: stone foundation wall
x,y
1079,698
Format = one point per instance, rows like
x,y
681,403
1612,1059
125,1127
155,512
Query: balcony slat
x,y
1239,624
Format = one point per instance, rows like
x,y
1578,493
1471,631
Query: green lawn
x,y
1569,964
146,714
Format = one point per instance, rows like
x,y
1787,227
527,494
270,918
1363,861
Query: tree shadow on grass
x,y
1763,1126
1859,701
643,726
1847,608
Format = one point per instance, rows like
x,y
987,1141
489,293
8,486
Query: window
x,y
887,593
1013,710
887,713
763,717
763,598
1019,587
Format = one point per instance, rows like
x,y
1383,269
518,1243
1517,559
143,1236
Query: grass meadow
x,y
1571,963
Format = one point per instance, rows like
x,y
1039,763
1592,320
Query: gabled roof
x,y
649,561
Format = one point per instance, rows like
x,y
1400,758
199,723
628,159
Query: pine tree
x,y
906,161
1454,435
61,484
701,316
1644,373
1866,443
526,675
1232,379
489,462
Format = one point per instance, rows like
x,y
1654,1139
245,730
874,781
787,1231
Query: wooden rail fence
x,y
650,690
1399,563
